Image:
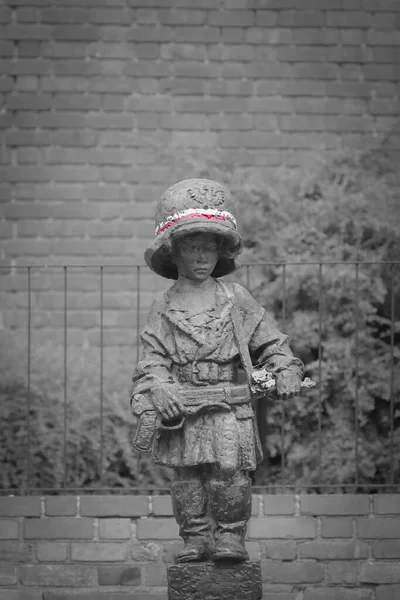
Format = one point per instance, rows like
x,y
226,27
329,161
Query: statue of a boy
x,y
193,414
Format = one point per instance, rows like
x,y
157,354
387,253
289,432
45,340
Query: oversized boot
x,y
189,503
231,509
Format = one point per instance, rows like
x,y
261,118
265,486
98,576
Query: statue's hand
x,y
288,384
168,403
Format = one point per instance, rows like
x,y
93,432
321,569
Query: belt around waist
x,y
230,394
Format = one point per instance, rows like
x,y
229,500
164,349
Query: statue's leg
x,y
230,507
189,501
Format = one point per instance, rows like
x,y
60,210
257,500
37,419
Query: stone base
x,y
215,581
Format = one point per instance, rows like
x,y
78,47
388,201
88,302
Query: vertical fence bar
x,y
65,380
357,349
284,305
320,373
392,325
28,393
282,402
101,376
137,313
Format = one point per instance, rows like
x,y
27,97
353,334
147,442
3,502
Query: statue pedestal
x,y
215,581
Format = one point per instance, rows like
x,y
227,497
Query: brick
x,y
333,550
240,139
155,574
383,38
386,548
193,140
63,50
6,49
266,18
162,506
387,592
85,33
51,551
119,575
157,529
6,83
349,18
279,550
28,32
232,35
314,71
282,504
275,572
71,102
387,504
378,527
60,506
19,594
114,506
63,15
58,527
231,18
118,529
98,551
56,575
281,527
305,88
8,574
336,527
342,573
380,572
98,595
337,593
13,506
16,552
111,16
5,14
28,155
8,529
227,122
25,66
346,504
147,51
66,84
193,34
300,18
72,67
73,138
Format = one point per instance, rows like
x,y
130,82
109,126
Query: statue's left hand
x,y
287,384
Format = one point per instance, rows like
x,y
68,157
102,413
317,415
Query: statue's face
x,y
196,255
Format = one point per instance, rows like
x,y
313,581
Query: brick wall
x,y
103,101
335,547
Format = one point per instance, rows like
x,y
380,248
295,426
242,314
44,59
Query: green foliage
x,y
346,211
343,211
66,430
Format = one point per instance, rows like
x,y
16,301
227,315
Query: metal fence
x,y
281,281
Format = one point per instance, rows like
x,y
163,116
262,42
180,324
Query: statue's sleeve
x,y
267,345
153,371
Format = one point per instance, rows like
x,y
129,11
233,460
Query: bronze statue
x,y
193,414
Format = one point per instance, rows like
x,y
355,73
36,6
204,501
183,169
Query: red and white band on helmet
x,y
190,213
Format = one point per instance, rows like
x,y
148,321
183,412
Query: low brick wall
x,y
333,547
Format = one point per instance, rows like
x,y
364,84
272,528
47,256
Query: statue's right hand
x,y
167,403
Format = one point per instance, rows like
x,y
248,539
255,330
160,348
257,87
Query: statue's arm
x,y
268,346
153,386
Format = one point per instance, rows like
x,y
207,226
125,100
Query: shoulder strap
x,y
238,332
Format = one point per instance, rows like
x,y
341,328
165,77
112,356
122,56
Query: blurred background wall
x,y
107,102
